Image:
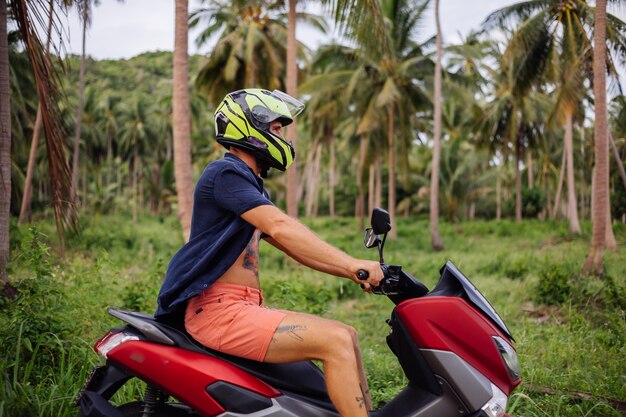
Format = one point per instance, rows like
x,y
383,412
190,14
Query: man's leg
x,y
306,337
355,342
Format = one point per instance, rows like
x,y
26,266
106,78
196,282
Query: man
x,y
214,277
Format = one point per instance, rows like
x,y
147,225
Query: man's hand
x,y
373,269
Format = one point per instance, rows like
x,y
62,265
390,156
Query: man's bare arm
x,y
322,267
306,247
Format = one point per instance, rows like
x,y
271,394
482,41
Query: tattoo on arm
x,y
291,330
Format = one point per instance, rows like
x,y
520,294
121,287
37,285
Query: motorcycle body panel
x,y
452,324
184,374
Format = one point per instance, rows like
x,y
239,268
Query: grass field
x,y
570,329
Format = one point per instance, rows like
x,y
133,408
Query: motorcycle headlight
x,y
509,356
496,406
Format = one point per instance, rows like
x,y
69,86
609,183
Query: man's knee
x,y
341,343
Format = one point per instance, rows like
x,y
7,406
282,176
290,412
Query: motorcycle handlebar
x,y
362,274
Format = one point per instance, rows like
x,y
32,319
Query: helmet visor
x,y
294,105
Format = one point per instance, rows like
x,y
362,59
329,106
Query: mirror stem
x,y
380,248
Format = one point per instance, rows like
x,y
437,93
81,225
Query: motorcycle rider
x,y
213,279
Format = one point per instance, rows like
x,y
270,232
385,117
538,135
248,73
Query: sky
x,y
125,29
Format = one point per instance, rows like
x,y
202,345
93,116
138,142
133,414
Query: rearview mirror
x,y
381,223
370,239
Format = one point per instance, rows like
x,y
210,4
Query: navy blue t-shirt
x,y
226,189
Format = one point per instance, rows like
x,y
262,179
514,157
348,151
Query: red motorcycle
x,y
455,350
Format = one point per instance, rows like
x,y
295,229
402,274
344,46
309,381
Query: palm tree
x,y
136,134
435,237
341,10
28,184
552,40
250,50
327,106
462,179
594,261
388,87
507,121
27,16
181,119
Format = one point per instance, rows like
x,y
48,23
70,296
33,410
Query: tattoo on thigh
x,y
291,330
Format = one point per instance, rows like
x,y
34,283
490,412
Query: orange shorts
x,y
231,319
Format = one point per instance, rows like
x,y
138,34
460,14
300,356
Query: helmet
x,y
243,120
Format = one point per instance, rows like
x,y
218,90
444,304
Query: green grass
x,y
572,351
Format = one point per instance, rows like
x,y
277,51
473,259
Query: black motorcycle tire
x,y
135,409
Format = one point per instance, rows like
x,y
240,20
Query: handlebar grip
x,y
362,274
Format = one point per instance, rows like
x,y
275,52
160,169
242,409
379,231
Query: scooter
x,y
454,349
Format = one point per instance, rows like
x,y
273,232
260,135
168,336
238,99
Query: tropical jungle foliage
x,y
520,165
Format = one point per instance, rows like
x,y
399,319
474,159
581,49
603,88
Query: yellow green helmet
x,y
243,120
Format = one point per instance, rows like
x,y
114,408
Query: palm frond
x,y
514,14
46,78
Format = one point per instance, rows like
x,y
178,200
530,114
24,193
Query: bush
x,y
35,316
554,285
516,267
533,202
299,294
141,294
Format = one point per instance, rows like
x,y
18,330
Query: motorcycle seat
x,y
303,379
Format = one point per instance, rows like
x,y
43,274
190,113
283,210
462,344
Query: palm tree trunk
x,y
371,189
5,147
156,189
28,184
312,178
572,206
559,187
84,185
79,113
618,160
529,169
181,117
435,237
600,200
317,174
610,242
379,183
331,173
292,89
391,196
307,175
360,202
135,179
518,178
498,197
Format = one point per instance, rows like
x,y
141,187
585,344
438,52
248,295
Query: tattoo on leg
x,y
360,401
291,330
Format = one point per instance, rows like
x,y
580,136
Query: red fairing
x,y
452,324
184,374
